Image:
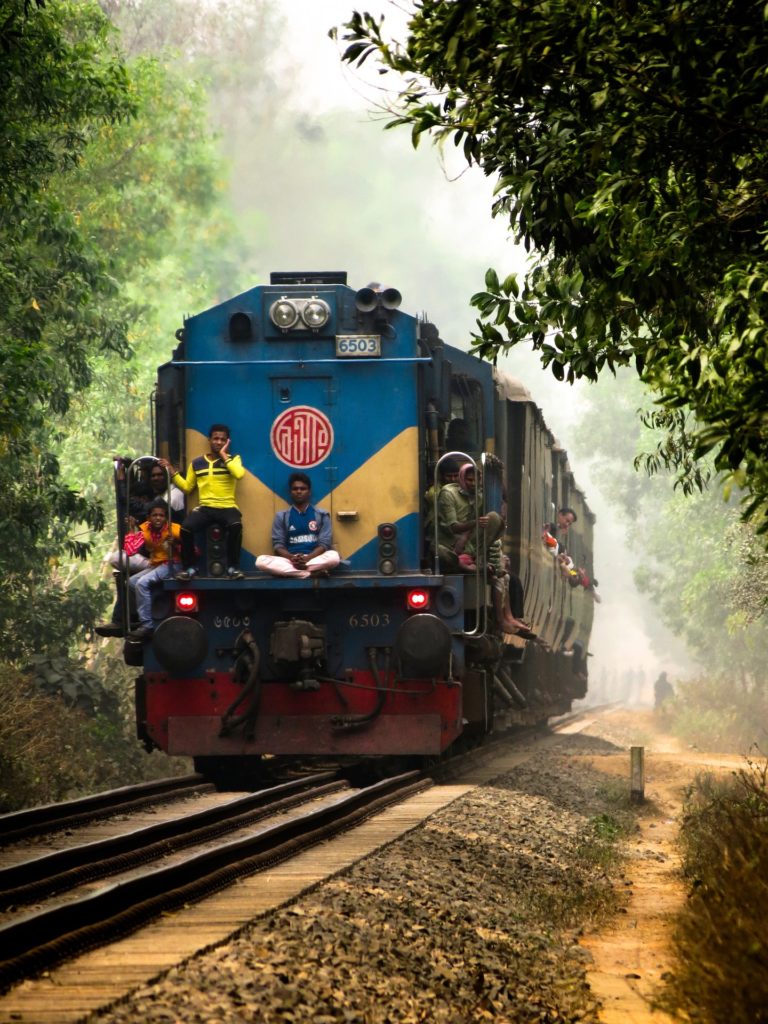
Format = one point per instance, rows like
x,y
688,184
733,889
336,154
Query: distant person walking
x,y
662,690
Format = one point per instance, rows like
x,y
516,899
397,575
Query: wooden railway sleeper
x,y
125,906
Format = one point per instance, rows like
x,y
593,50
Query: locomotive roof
x,y
510,387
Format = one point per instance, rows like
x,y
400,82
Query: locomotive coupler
x,y
301,644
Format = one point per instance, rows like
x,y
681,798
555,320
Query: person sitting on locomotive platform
x,y
144,549
117,557
301,536
215,476
141,501
457,532
158,539
158,482
449,474
457,525
146,485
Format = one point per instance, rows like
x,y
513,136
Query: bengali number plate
x,y
358,345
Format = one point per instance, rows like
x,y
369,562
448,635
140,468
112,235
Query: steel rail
x,y
65,869
47,817
125,906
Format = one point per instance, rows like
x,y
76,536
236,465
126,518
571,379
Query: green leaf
x,y
492,280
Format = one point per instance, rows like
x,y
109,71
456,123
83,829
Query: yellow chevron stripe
x,y
382,490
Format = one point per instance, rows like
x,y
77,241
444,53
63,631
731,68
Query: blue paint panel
x,y
208,333
244,398
248,384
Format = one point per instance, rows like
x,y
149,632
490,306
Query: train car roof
x,y
512,389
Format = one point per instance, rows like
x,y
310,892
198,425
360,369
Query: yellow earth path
x,y
631,957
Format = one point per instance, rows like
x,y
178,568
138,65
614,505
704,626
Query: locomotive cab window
x,y
465,430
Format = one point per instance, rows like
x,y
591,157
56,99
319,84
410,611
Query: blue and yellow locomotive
x,y
387,656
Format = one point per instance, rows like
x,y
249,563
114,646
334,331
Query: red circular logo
x,y
301,436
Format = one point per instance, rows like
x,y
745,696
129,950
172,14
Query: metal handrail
x,y
122,560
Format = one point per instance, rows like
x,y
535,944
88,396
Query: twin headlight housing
x,y
300,314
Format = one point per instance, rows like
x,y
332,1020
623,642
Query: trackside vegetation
x,y
720,941
102,161
107,167
65,736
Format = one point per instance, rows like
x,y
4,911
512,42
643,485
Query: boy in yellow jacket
x,y
215,476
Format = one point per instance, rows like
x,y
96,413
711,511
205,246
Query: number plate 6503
x,y
368,620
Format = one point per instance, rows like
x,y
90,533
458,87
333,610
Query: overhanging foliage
x,y
629,142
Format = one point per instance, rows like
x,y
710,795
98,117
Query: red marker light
x,y
186,601
418,600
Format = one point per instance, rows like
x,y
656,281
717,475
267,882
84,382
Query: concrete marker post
x,y
637,775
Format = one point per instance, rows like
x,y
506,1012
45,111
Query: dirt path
x,y
630,959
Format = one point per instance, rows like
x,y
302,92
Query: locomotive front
x,y
313,376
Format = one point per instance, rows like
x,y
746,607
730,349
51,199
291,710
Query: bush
x,y
52,750
715,713
76,685
46,748
720,939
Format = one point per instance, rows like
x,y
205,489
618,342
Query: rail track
x,y
38,821
46,935
248,848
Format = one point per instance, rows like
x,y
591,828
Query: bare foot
x,y
517,628
517,623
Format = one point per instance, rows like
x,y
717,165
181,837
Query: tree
x,y
99,158
630,143
59,85
148,192
704,571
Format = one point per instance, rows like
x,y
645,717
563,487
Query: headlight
x,y
316,314
283,314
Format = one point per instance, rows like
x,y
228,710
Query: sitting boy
x,y
301,536
158,540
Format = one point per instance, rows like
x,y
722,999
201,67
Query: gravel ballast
x,y
474,916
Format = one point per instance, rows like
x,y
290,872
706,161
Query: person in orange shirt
x,y
158,540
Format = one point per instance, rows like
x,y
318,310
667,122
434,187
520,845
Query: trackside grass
x,y
50,750
720,939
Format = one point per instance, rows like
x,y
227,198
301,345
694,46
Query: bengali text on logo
x,y
302,436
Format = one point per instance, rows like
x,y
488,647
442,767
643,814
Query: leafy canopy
x,y
705,572
97,155
629,140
